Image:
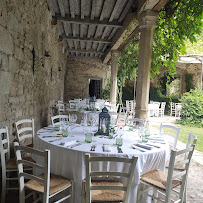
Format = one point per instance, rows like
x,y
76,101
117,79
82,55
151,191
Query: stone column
x,y
114,71
146,21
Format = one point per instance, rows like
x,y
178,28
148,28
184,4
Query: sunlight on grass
x,y
184,135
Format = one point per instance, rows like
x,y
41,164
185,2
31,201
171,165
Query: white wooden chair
x,y
178,107
172,109
172,138
122,117
8,165
98,190
163,184
61,108
136,122
57,119
25,130
130,108
162,109
46,184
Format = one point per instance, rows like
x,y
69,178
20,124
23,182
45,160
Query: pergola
x,y
102,28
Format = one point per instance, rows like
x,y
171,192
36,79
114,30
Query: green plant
x,y
106,90
192,108
189,82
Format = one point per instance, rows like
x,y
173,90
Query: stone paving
x,y
195,177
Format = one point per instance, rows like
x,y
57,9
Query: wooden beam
x,y
82,9
72,8
115,9
51,7
61,7
160,5
90,57
87,21
77,38
92,51
93,9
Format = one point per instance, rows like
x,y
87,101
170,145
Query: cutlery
x,y
75,145
48,136
119,150
136,148
55,140
153,145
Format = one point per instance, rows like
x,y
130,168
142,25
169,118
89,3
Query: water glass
x,y
119,141
88,137
56,127
64,132
144,138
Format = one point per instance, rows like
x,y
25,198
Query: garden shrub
x,y
192,109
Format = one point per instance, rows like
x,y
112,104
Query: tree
x,y
177,22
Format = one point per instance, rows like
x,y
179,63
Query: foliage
x,y
189,82
192,109
106,91
176,23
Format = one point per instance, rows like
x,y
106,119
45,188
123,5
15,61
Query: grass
x,y
184,135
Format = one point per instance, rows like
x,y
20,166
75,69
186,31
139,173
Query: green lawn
x,y
184,134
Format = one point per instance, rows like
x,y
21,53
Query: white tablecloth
x,y
70,162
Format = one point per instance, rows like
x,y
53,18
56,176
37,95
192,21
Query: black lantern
x,y
104,122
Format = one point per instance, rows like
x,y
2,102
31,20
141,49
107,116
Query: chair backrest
x,y
136,122
172,105
61,108
22,174
57,119
4,147
89,161
163,104
25,129
182,176
172,138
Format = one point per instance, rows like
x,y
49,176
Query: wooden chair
x,y
97,191
122,117
136,122
25,130
178,107
8,165
46,184
163,183
162,109
57,119
61,108
172,109
172,139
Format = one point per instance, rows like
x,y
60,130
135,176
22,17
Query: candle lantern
x,y
104,122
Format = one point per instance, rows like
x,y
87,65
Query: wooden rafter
x,y
87,21
92,51
78,38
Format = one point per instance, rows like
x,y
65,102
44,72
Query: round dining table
x,y
68,153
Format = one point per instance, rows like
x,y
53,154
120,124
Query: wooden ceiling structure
x,y
92,28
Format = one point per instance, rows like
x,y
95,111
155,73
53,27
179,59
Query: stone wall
x,y
25,25
78,73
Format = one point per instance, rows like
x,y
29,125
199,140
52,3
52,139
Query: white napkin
x,y
106,148
67,144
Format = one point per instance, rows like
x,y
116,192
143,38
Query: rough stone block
x,y
14,100
6,41
19,113
5,81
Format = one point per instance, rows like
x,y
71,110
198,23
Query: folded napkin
x,y
144,146
106,148
70,143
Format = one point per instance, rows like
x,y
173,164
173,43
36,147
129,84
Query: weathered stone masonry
x,y
24,25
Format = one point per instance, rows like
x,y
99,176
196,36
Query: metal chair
x,y
25,130
108,190
163,184
46,184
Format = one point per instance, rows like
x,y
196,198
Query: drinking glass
x,y
88,137
119,141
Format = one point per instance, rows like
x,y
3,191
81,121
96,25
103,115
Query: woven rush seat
x,y
159,179
106,195
57,183
11,164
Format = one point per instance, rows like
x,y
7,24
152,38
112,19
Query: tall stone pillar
x,y
146,21
114,71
